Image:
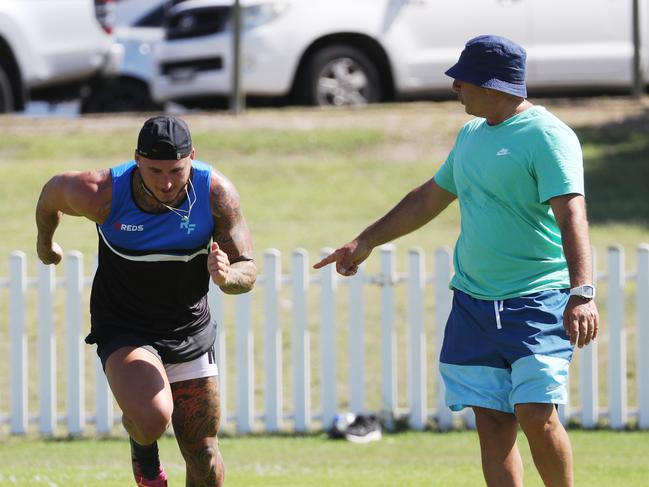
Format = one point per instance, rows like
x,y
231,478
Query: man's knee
x,y
537,417
147,425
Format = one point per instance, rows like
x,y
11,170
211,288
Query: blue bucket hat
x,y
492,62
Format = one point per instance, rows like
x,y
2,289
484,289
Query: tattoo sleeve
x,y
196,418
232,234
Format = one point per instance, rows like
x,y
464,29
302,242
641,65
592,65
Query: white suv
x,y
138,26
49,49
337,52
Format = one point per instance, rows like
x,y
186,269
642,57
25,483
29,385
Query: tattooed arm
x,y
230,262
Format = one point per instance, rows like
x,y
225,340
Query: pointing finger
x,y
326,261
215,246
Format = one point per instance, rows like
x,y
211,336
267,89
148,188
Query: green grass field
x,y
313,179
602,459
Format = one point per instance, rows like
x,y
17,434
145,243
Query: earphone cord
x,y
178,211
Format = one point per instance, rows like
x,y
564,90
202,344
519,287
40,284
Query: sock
x,y
147,457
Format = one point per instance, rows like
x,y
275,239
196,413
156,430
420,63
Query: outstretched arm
x,y
86,194
230,262
416,209
580,318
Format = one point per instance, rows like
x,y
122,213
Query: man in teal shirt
x,y
523,294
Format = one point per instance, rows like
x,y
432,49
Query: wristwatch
x,y
586,291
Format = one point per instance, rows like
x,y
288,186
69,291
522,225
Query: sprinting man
x,y
523,293
166,223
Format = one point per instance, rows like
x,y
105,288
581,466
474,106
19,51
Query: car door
x,y
580,43
425,37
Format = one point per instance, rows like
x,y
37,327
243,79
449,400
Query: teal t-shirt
x,y
504,176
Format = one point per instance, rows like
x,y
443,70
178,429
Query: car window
x,y
155,18
136,12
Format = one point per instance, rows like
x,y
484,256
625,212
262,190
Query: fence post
x,y
642,313
215,302
273,340
104,397
417,341
617,382
388,334
588,386
300,345
588,374
18,339
245,363
443,303
328,282
76,376
356,344
46,349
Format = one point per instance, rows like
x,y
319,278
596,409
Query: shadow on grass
x,y
616,163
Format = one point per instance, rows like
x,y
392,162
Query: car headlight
x,y
260,14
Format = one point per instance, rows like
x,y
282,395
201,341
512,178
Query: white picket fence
x,y
301,416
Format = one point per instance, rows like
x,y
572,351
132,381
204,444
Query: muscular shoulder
x,y
224,198
95,182
84,193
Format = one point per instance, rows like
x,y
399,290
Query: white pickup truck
x,y
50,49
339,52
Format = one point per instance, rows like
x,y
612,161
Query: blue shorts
x,y
497,354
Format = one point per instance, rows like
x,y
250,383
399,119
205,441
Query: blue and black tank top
x,y
152,277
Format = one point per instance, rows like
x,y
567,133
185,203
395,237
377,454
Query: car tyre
x,y
118,95
339,76
6,93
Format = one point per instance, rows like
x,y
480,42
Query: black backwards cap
x,y
164,138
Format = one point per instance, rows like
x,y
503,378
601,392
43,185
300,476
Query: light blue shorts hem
x,y
532,379
476,385
505,408
539,378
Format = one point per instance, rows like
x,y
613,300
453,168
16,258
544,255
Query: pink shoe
x,y
160,480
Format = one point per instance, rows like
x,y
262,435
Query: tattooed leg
x,y
196,417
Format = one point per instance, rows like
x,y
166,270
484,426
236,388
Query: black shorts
x,y
168,350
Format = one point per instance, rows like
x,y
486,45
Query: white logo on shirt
x,y
502,152
128,228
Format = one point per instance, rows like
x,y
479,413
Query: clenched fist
x,y
49,254
218,265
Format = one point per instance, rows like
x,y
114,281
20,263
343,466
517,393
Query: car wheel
x,y
340,76
6,93
118,95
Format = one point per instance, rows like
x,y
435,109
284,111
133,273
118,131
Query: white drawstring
x,y
498,307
